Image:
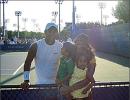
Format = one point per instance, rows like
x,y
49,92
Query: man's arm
x,y
31,54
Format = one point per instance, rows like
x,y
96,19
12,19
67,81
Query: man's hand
x,y
25,85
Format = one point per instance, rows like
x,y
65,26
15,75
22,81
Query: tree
x,y
64,34
9,34
122,11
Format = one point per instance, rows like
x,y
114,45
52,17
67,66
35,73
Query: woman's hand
x,y
58,82
64,90
89,86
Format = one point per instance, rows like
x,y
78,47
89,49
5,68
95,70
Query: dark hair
x,y
89,50
82,36
71,49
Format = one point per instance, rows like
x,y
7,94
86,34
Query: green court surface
x,y
109,68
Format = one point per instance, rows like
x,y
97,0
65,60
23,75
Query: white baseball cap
x,y
49,25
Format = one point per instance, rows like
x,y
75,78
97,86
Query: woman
x,y
83,46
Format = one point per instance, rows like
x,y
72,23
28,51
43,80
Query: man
x,y
46,53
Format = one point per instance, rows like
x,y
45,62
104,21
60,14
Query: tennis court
x,y
106,70
12,62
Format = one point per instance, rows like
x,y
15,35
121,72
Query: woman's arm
x,y
90,73
79,84
68,89
89,76
91,70
86,81
91,67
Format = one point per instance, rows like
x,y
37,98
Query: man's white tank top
x,y
47,61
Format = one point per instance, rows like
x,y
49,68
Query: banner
x,y
14,47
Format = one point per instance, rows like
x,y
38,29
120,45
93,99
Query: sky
x,y
41,12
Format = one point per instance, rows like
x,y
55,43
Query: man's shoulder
x,y
36,43
40,40
33,46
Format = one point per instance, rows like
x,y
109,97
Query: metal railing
x,y
101,91
97,84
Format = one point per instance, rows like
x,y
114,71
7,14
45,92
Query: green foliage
x,y
122,11
25,34
64,34
9,34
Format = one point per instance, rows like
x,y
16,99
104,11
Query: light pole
x,y
6,21
34,24
24,29
15,25
59,2
54,13
101,6
105,17
18,13
73,17
24,20
3,1
78,17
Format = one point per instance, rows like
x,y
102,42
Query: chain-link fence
x,y
113,39
101,91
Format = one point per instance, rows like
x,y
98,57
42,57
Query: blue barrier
x,y
15,47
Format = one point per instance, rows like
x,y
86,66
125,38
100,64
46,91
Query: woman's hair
x,y
87,47
71,49
82,36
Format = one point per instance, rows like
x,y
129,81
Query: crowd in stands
x,y
15,40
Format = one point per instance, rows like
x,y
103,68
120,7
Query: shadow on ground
x,y
114,58
2,52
